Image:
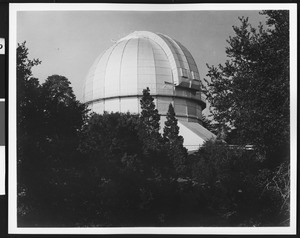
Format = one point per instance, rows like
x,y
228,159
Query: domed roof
x,y
141,59
144,59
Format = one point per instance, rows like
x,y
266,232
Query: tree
x,y
63,114
127,180
174,142
171,129
155,151
114,168
28,124
250,92
24,64
149,122
48,119
235,184
109,137
28,92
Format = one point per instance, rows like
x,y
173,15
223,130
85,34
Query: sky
x,y
68,42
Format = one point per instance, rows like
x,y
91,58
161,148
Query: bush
x,y
234,183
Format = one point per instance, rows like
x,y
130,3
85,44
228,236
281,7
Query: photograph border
x,y
12,165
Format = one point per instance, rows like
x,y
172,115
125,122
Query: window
x,y
195,75
184,73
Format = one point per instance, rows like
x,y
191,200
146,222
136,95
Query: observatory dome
x,y
144,59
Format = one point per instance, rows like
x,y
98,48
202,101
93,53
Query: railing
x,y
245,147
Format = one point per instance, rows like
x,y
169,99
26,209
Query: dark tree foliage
x,y
171,129
153,145
112,152
149,122
174,142
249,96
41,107
28,112
28,92
47,124
127,182
207,123
110,135
250,92
59,102
234,183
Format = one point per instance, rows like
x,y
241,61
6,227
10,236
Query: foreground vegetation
x,y
116,169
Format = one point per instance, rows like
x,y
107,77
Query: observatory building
x,y
144,59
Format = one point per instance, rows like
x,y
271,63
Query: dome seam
x,y
122,55
154,69
178,46
106,63
137,72
95,63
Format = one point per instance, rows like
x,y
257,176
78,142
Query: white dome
x,y
144,59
